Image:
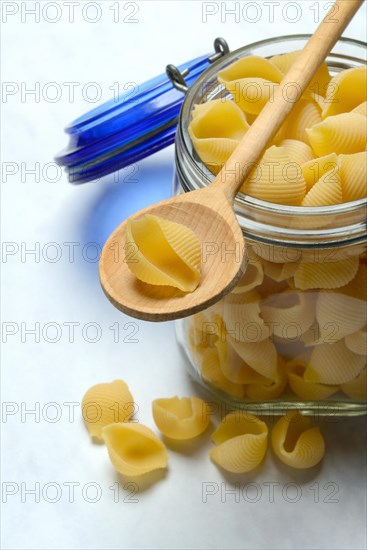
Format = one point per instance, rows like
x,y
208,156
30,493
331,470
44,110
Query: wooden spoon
x,y
209,211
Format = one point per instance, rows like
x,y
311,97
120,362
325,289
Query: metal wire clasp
x,y
178,79
221,49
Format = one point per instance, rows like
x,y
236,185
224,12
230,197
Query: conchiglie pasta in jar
x,y
292,333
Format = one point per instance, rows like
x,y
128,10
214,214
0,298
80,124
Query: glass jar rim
x,y
201,176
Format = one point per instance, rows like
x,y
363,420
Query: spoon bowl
x,y
222,259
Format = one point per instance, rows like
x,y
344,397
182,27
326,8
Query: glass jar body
x,y
293,331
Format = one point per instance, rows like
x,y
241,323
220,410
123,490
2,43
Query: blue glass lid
x,y
138,123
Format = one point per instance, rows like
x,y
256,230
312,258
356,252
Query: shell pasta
x,y
165,253
346,91
341,134
241,443
276,179
134,449
216,130
105,404
295,443
312,148
183,418
294,327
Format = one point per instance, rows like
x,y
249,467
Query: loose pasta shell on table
x,y
270,389
134,449
333,364
276,179
295,443
353,175
309,391
361,109
326,191
326,274
357,342
298,151
314,169
181,418
319,81
241,441
106,403
341,134
356,388
242,317
210,370
345,314
260,356
167,253
290,308
345,91
216,129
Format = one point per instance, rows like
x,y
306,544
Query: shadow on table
x,y
139,484
119,197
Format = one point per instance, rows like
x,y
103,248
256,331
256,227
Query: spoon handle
x,y
241,162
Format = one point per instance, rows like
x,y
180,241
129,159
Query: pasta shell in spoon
x,y
163,252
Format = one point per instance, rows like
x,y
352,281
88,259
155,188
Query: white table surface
x,y
189,507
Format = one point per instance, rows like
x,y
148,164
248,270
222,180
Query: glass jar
x,y
292,334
